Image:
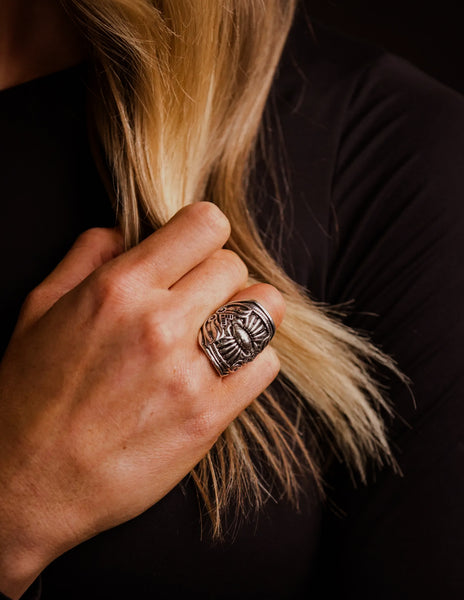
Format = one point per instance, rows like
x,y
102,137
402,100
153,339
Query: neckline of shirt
x,y
48,78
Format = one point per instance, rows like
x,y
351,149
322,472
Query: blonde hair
x,y
177,105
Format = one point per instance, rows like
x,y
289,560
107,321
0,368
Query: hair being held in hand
x,y
177,106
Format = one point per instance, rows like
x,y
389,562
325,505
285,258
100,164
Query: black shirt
x,y
373,153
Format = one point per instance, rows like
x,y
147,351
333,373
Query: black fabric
x,y
371,155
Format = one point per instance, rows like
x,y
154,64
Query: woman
x,y
129,468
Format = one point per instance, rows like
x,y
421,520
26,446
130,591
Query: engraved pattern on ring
x,y
235,334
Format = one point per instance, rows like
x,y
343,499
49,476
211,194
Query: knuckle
x,y
210,217
108,287
91,236
198,415
93,239
269,363
33,299
272,299
185,386
203,427
160,334
107,242
36,302
272,360
271,293
97,236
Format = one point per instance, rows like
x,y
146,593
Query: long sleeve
x,y
373,216
398,260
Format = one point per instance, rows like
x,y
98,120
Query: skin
x,y
36,38
106,399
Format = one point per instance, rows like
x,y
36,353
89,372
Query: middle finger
x,y
210,285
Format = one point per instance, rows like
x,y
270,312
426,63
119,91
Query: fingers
x,y
240,388
91,250
268,296
209,285
254,377
195,232
258,374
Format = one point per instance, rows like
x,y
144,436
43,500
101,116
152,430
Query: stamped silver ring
x,y
235,334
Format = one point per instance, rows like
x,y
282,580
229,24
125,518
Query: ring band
x,y
235,334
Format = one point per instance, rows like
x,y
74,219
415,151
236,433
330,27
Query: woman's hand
x,y
106,399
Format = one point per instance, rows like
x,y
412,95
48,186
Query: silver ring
x,y
235,334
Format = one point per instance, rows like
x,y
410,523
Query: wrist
x,y
18,570
23,552
26,530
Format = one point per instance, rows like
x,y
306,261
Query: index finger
x,y
193,233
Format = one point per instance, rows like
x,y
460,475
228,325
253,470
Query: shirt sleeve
x,y
398,261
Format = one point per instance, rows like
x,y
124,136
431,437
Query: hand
x,y
106,399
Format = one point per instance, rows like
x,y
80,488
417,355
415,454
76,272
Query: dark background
x,y
429,34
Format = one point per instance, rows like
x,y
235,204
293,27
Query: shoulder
x,y
318,58
375,160
360,130
377,146
397,114
339,82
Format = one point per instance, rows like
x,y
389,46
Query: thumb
x,y
91,250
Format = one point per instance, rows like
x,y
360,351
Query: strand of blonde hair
x,y
177,105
